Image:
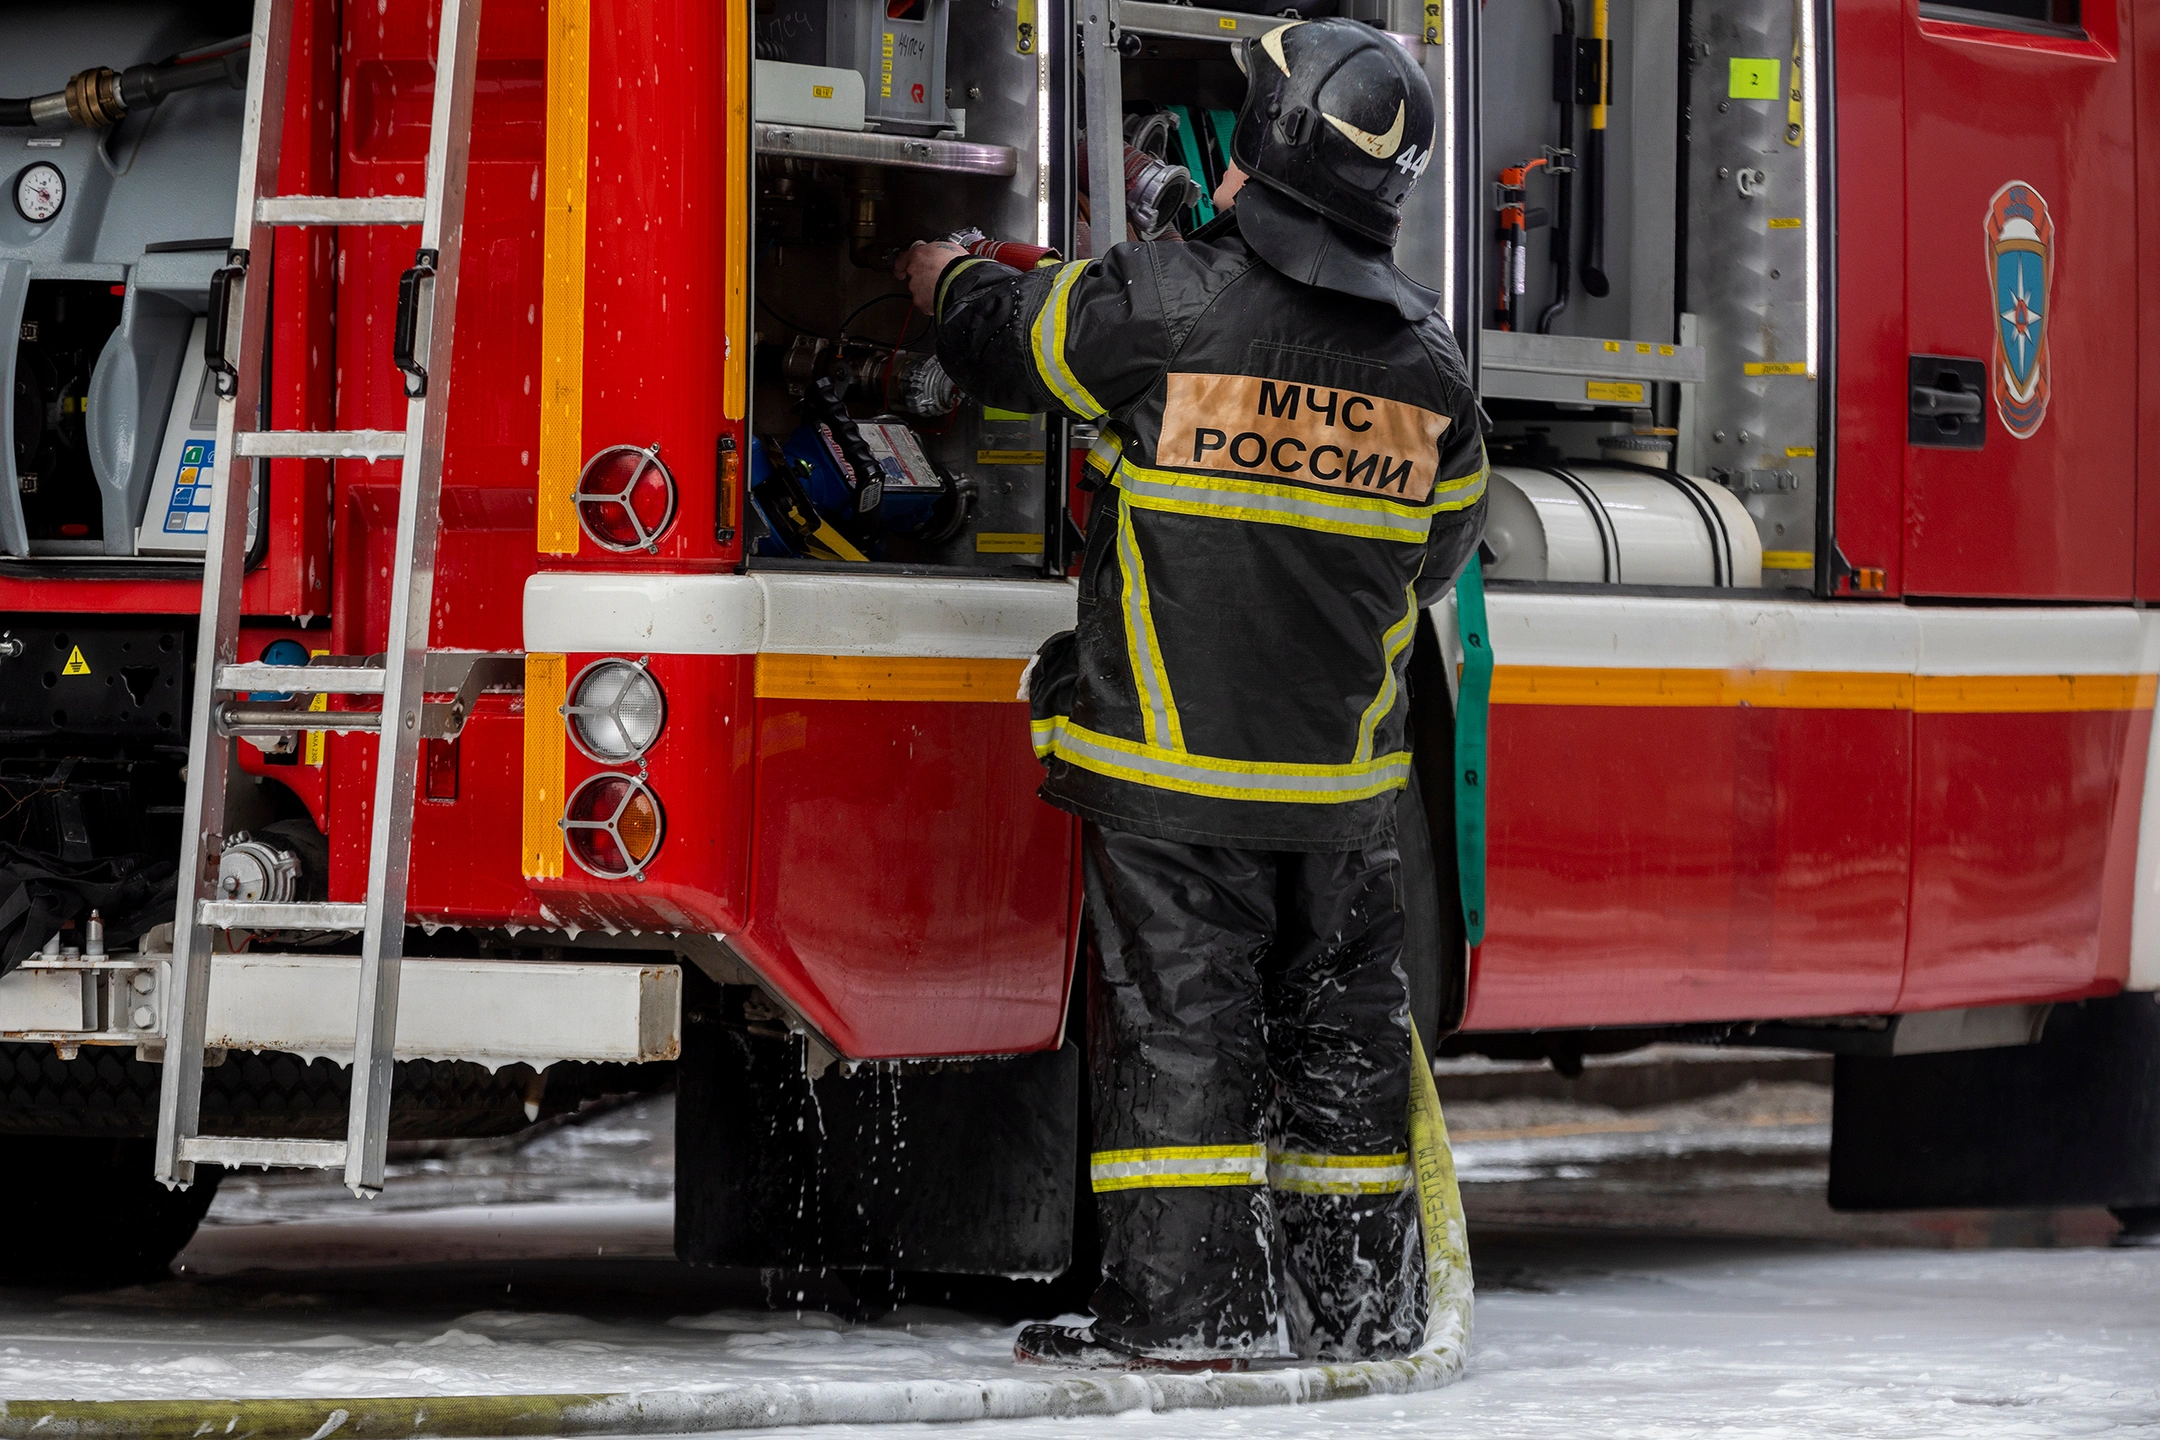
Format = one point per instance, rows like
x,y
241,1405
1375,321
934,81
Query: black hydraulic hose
x,y
1593,269
98,98
1706,510
1562,169
1608,538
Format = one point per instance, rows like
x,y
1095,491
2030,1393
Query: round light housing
x,y
616,711
613,826
626,498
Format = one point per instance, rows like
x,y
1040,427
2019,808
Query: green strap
x,y
1203,207
1473,694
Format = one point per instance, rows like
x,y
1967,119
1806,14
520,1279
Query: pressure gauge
x,y
40,191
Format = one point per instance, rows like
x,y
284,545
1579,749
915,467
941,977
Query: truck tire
x,y
2072,1120
1432,922
1436,952
87,1212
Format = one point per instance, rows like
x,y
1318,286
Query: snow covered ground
x,y
1663,1273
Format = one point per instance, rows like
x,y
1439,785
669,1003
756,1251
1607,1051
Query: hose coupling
x,y
93,98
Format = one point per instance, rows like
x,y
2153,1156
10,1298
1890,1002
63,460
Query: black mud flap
x,y
2073,1120
963,1169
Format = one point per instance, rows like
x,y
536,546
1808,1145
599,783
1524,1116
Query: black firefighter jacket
x,y
1293,473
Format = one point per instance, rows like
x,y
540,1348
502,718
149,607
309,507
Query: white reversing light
x,y
616,711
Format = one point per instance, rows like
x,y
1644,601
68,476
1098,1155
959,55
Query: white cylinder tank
x,y
1617,526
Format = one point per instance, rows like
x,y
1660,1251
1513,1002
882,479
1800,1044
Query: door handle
x,y
1927,400
1944,408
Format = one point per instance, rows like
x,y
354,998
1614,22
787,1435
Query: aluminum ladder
x,y
237,332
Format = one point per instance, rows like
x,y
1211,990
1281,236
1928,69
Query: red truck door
x,y
2021,266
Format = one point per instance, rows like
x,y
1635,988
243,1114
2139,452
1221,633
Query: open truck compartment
x,y
109,244
1627,218
1650,322
877,126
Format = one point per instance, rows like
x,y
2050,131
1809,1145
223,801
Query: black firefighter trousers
x,y
1249,1037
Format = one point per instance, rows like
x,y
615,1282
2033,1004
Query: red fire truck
x,y
1820,378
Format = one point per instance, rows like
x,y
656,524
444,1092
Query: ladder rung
x,y
341,209
303,679
323,444
262,720
234,1150
283,915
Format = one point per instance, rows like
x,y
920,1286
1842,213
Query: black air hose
x,y
1562,168
99,98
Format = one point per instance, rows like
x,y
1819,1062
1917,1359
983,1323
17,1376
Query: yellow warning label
x,y
1799,452
1227,22
885,69
821,92
1612,347
1788,559
1620,392
1775,367
313,752
1785,222
989,543
1008,457
1434,22
76,664
1752,79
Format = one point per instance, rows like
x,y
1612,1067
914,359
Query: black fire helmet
x,y
1337,121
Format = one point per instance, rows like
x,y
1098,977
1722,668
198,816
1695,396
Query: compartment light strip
x,y
1043,42
1813,245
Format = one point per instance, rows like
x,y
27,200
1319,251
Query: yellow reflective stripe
x,y
1171,1166
1044,733
1104,454
1394,513
560,453
1338,1174
1259,502
952,273
544,742
1142,644
1049,333
1224,779
1391,647
1463,493
735,246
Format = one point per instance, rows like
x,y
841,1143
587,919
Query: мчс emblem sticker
x,y
2021,268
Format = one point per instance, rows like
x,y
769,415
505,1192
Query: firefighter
x,y
1291,468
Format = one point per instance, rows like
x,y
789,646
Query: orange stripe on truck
x,y
1820,690
862,677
